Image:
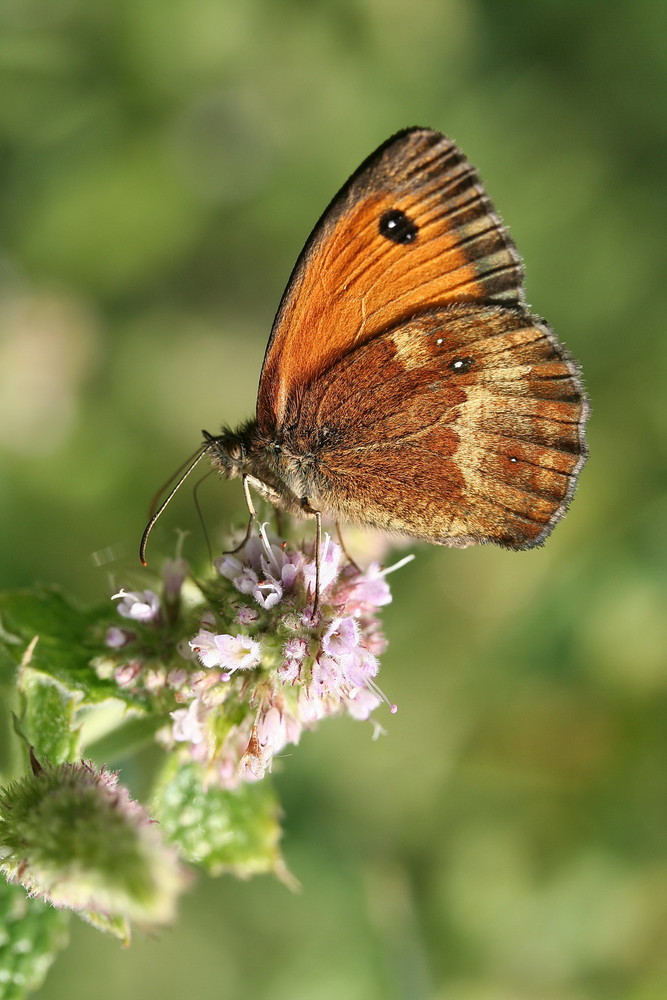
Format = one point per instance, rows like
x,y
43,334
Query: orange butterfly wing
x,y
412,229
404,377
460,426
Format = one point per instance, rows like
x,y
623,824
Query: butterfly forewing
x,y
411,230
461,425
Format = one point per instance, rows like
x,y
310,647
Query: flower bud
x,y
72,835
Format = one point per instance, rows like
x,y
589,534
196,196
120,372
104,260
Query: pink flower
x,y
246,615
267,593
370,589
330,558
187,726
204,646
177,678
361,703
228,565
310,707
246,581
126,674
294,652
174,573
154,680
227,651
342,637
142,606
295,649
278,562
271,731
116,637
360,667
328,678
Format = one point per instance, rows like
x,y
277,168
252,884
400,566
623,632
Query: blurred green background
x,y
162,162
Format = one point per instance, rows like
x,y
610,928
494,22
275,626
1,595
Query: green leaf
x,y
31,934
63,649
47,717
221,831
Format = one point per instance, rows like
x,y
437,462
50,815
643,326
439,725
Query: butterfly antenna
x,y
165,486
155,514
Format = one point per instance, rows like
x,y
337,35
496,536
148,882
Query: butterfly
x,y
406,385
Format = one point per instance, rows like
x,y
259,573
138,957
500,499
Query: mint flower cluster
x,y
242,664
225,670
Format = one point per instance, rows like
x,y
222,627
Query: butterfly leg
x,y
344,548
253,517
309,509
318,546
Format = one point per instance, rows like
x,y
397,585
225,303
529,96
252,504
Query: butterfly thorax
x,y
271,466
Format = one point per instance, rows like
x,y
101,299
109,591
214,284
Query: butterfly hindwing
x,y
462,425
411,230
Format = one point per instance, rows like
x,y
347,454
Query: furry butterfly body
x,y
406,385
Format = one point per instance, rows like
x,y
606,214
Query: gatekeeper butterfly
x,y
406,385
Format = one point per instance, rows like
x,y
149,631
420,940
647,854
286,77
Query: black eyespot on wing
x,y
461,365
398,227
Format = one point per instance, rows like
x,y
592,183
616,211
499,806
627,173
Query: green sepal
x,y
118,927
31,935
234,831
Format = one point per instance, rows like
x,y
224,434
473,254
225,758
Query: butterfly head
x,y
228,451
274,472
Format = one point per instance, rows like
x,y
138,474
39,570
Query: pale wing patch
x,y
410,352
